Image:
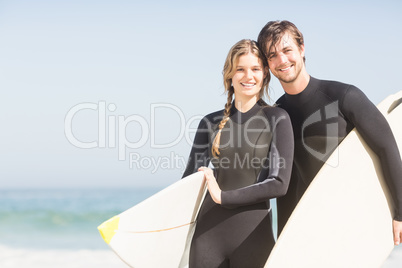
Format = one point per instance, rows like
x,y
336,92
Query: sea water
x,y
58,227
43,228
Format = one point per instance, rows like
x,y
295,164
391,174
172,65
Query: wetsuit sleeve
x,y
376,132
273,180
199,155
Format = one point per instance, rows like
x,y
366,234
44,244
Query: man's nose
x,y
282,58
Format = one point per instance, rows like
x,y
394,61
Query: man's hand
x,y
397,227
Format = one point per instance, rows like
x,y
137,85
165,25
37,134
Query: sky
x,y
109,93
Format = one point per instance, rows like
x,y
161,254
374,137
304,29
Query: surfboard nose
x,y
108,228
397,102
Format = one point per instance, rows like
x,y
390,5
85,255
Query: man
x,y
341,105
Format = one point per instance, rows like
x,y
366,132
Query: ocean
x,y
58,227
43,228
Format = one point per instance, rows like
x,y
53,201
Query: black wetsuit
x,y
256,153
322,115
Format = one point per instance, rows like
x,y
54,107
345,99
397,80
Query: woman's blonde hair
x,y
241,48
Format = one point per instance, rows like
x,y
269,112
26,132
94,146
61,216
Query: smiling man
x,y
340,107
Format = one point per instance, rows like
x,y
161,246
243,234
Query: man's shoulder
x,y
333,88
280,102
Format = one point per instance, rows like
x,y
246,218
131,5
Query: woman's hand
x,y
212,185
397,226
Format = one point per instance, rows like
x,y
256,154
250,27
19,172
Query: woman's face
x,y
248,77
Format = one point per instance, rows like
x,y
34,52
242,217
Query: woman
x,y
250,145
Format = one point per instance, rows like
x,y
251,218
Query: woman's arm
x,y
199,155
273,182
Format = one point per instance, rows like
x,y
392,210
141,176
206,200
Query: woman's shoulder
x,y
214,117
274,111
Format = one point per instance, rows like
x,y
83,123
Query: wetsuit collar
x,y
305,95
239,117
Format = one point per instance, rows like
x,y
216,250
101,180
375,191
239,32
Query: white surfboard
x,y
157,232
344,219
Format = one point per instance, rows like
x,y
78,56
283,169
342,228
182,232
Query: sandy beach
x,y
13,258
18,258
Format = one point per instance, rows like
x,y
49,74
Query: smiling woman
x,y
234,226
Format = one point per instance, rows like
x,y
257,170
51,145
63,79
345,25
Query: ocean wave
x,y
49,218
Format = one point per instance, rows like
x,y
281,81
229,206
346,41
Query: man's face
x,y
285,59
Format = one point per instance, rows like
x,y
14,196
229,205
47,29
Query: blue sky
x,y
129,59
